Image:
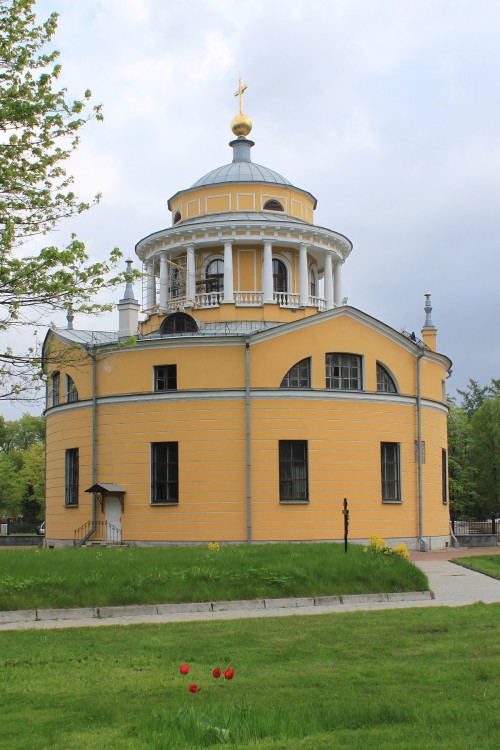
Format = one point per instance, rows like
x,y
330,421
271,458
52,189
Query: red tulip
x,y
229,674
184,669
217,672
194,689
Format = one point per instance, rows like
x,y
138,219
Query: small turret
x,y
429,331
128,308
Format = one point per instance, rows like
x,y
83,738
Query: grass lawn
x,y
425,679
489,564
72,577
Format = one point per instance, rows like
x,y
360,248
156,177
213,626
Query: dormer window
x,y
178,323
177,217
272,205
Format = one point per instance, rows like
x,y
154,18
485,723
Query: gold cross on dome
x,y
241,89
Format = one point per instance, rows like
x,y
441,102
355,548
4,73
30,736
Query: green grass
x,y
413,678
131,575
489,564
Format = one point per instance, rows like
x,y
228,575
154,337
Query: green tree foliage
x,y
22,467
485,453
463,494
474,450
39,130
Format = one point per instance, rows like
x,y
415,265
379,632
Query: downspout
x,y
422,544
247,437
94,439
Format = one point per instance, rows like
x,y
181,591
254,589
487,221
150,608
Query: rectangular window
x,y
444,475
165,377
343,372
71,472
164,473
391,472
293,471
56,389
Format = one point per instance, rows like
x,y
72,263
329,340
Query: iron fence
x,y
463,526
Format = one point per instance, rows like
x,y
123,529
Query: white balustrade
x,y
287,299
208,299
317,302
248,299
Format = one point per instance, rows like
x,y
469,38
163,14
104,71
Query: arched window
x,y
178,323
385,381
55,389
313,284
177,217
280,281
272,205
214,276
298,376
71,389
175,282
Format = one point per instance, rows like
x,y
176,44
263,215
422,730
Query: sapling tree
x,y
39,130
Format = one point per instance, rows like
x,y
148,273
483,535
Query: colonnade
x,y
332,277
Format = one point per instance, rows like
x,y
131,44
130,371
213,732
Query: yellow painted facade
x,y
207,428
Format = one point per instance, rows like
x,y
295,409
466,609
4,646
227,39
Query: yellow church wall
x,y
242,197
344,461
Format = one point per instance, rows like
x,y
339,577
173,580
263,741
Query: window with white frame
x,y
343,371
385,382
298,376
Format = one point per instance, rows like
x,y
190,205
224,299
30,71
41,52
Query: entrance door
x,y
113,517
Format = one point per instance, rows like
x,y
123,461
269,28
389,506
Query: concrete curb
x,y
152,610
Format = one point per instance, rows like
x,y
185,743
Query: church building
x,y
242,399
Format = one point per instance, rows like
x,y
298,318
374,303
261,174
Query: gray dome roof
x,y
241,171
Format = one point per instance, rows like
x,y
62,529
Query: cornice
x,y
211,232
258,394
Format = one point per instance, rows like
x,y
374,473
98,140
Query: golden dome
x,y
241,125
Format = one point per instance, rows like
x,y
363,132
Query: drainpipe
x,y
422,544
247,435
94,437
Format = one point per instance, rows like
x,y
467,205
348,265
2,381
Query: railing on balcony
x,y
208,299
317,302
99,531
248,299
286,299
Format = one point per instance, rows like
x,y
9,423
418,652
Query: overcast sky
x,y
388,112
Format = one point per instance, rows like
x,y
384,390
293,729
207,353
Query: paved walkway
x,y
451,585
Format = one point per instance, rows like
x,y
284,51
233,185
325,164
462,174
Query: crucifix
x,y
241,89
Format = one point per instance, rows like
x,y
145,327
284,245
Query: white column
x,y
190,275
267,272
163,281
328,282
303,280
150,285
338,282
228,271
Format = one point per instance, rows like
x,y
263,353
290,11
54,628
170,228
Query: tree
x,y
485,453
22,467
464,497
38,132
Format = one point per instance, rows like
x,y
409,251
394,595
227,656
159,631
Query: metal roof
x,y
241,171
